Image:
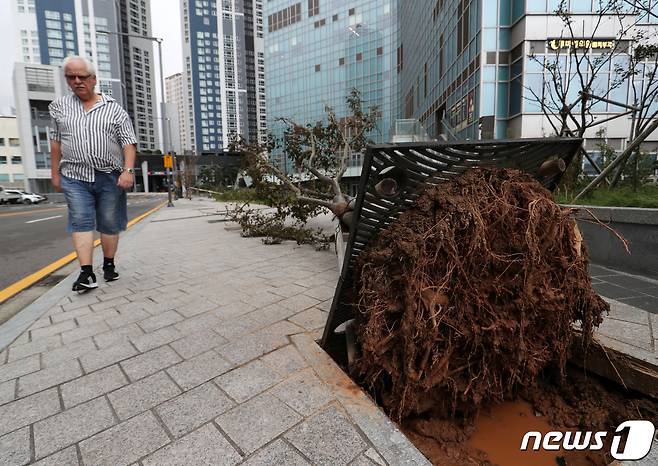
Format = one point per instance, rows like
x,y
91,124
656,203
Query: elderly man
x,y
93,158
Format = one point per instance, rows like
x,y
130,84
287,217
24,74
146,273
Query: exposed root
x,y
470,294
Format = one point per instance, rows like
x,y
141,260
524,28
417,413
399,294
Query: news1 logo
x,y
639,437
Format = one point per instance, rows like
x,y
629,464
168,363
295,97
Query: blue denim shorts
x,y
100,205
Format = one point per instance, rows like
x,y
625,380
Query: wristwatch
x,y
129,170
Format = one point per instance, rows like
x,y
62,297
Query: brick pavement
x,y
632,325
202,353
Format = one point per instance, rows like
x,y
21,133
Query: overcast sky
x,y
165,17
166,24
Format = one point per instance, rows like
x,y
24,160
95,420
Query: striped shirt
x,y
90,140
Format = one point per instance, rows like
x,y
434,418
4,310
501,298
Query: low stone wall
x,y
638,226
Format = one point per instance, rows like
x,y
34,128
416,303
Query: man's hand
x,y
56,180
125,180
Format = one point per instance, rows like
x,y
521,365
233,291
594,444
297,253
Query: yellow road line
x,y
30,280
31,212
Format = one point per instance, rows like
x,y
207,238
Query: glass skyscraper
x,y
318,50
474,69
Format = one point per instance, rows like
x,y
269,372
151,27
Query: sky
x,y
165,17
165,22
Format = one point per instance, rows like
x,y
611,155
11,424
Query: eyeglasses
x,y
71,77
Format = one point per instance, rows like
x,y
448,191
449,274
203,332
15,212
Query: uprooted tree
x,y
320,154
470,295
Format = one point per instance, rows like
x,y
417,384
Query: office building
x,y
11,157
35,86
224,71
473,70
50,30
317,51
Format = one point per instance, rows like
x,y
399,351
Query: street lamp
x,y
163,110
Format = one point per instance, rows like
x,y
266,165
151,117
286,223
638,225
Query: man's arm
x,y
55,157
127,140
55,147
126,179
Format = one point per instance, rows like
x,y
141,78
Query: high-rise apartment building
x,y
139,70
177,111
223,70
477,67
50,30
317,51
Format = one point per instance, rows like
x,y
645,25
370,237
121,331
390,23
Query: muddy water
x,y
500,432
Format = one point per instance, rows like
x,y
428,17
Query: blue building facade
x,y
476,68
224,71
57,30
317,51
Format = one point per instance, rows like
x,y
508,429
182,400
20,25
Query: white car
x,y
26,198
7,197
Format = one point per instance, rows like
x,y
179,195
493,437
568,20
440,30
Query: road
x,y
32,237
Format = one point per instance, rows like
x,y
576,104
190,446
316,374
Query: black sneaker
x,y
109,274
86,281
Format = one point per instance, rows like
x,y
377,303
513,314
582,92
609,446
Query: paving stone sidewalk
x,y
632,325
202,353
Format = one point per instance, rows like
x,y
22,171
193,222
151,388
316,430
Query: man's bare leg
x,y
109,243
84,246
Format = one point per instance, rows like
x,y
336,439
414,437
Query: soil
x,y
584,403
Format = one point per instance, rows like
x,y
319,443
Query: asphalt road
x,y
32,237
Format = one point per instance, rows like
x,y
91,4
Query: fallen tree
x,y
319,155
470,294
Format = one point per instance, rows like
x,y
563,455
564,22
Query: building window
x,y
341,61
359,56
463,14
52,14
351,12
3,160
16,160
334,18
380,50
313,7
400,57
14,142
317,68
425,81
441,57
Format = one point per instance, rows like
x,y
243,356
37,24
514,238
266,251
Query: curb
x,y
15,326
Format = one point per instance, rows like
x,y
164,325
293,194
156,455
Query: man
x,y
92,152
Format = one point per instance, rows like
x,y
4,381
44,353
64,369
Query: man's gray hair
x,y
89,65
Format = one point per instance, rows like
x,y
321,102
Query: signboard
x,y
168,161
462,113
560,44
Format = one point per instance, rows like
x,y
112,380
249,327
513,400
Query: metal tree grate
x,y
393,176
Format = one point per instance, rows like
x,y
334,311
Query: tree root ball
x,y
470,294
